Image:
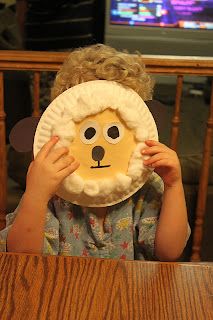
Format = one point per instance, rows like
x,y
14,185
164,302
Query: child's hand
x,y
164,161
49,168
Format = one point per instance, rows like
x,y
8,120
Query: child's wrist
x,y
36,198
175,185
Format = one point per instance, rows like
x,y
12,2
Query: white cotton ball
x,y
62,143
77,112
141,134
123,182
99,104
84,107
59,144
74,184
129,117
91,188
135,170
65,131
136,162
136,155
106,187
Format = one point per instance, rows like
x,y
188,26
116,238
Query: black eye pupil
x,y
113,132
89,133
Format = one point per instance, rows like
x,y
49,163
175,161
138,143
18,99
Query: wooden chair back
x,y
164,65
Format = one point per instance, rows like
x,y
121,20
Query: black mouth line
x,y
98,167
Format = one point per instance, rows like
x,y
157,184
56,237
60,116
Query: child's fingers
x,y
151,143
30,167
156,157
56,154
42,154
64,162
153,150
157,146
161,163
68,170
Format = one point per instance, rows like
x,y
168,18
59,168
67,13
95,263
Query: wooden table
x,y
38,287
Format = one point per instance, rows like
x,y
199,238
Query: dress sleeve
x,y
51,232
10,217
148,209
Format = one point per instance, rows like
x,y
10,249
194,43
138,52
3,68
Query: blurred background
x,y
179,28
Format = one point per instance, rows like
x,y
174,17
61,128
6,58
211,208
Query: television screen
x,y
185,14
165,27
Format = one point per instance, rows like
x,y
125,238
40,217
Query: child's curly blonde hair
x,y
101,62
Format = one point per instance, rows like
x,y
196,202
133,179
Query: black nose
x,y
98,153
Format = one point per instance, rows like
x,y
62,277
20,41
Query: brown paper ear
x,y
22,134
158,112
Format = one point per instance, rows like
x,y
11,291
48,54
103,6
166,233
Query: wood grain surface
x,y
38,287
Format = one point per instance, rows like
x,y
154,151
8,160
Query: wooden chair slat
x,y
167,65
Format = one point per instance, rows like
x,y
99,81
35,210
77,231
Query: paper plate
x,y
104,124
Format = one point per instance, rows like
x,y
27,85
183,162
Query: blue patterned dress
x,y
129,227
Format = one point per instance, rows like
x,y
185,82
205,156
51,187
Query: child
x,y
152,224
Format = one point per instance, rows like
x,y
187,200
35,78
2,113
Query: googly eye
x,y
113,132
89,132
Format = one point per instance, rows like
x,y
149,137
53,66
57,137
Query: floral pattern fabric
x,y
129,227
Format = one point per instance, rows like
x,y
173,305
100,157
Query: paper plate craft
x,y
104,125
